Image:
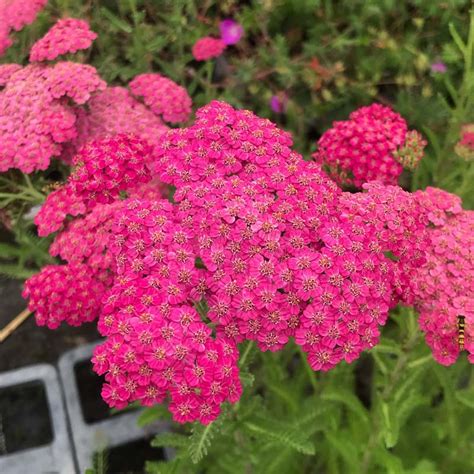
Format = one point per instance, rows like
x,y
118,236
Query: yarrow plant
x,y
208,48
14,15
259,246
37,123
374,144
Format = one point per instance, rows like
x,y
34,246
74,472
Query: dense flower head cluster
x,y
70,293
14,15
411,152
85,240
68,35
38,122
304,253
114,111
225,142
164,97
58,205
258,245
208,48
6,71
35,121
444,286
369,146
157,343
465,147
106,167
396,222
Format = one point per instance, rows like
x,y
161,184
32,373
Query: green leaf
x,y
173,440
341,442
280,433
116,21
155,413
391,426
424,467
13,271
162,467
201,438
466,397
351,402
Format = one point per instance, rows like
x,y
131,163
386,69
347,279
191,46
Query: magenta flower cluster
x,y
208,47
259,245
444,287
14,15
37,122
164,97
374,144
66,36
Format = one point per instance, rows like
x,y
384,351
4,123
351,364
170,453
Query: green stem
x,y
309,371
394,377
246,353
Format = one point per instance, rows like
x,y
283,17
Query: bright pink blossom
x,y
34,120
14,15
68,35
369,146
70,293
208,48
106,167
444,286
164,97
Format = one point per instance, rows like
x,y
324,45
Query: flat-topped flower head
x,y
374,144
14,15
444,286
68,35
109,166
110,112
7,71
71,293
208,48
35,120
164,97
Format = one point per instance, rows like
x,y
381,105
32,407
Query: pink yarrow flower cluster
x,y
259,245
208,48
444,286
163,96
38,123
374,144
85,226
68,35
14,15
36,120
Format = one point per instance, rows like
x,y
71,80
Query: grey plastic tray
x,y
108,433
55,457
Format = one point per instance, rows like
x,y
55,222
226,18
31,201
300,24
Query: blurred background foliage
x,y
327,57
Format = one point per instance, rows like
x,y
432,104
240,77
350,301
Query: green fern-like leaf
x,y
15,272
201,438
280,433
162,467
173,440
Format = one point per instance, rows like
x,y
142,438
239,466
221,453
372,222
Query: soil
x,y
29,343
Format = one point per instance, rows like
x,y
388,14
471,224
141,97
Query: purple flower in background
x,y
439,67
231,31
278,103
